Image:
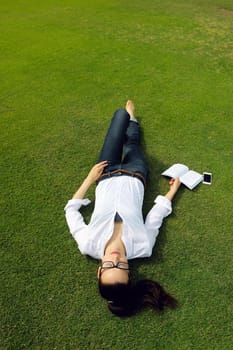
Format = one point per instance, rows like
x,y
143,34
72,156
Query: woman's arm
x,y
93,176
161,209
74,218
174,186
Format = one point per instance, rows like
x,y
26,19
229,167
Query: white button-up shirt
x,y
123,194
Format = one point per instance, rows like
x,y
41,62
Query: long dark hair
x,y
127,299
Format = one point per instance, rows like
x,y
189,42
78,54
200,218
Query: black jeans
x,y
121,146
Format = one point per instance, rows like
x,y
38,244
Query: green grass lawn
x,y
65,66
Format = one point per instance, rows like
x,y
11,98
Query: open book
x,y
189,178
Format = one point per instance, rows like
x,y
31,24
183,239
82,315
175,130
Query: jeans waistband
x,y
120,172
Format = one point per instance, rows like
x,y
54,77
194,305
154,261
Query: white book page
x,y
191,179
176,170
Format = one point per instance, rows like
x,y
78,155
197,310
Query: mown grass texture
x,y
65,67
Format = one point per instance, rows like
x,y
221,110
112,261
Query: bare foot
x,y
130,108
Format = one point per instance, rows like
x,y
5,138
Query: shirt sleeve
x,y
74,218
161,209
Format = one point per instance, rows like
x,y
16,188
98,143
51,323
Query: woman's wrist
x,y
80,193
170,194
88,181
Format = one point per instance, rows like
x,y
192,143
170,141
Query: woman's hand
x,y
96,171
174,186
93,176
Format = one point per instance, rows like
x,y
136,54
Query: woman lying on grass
x,y
117,232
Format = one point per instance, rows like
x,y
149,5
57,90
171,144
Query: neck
x,y
115,241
